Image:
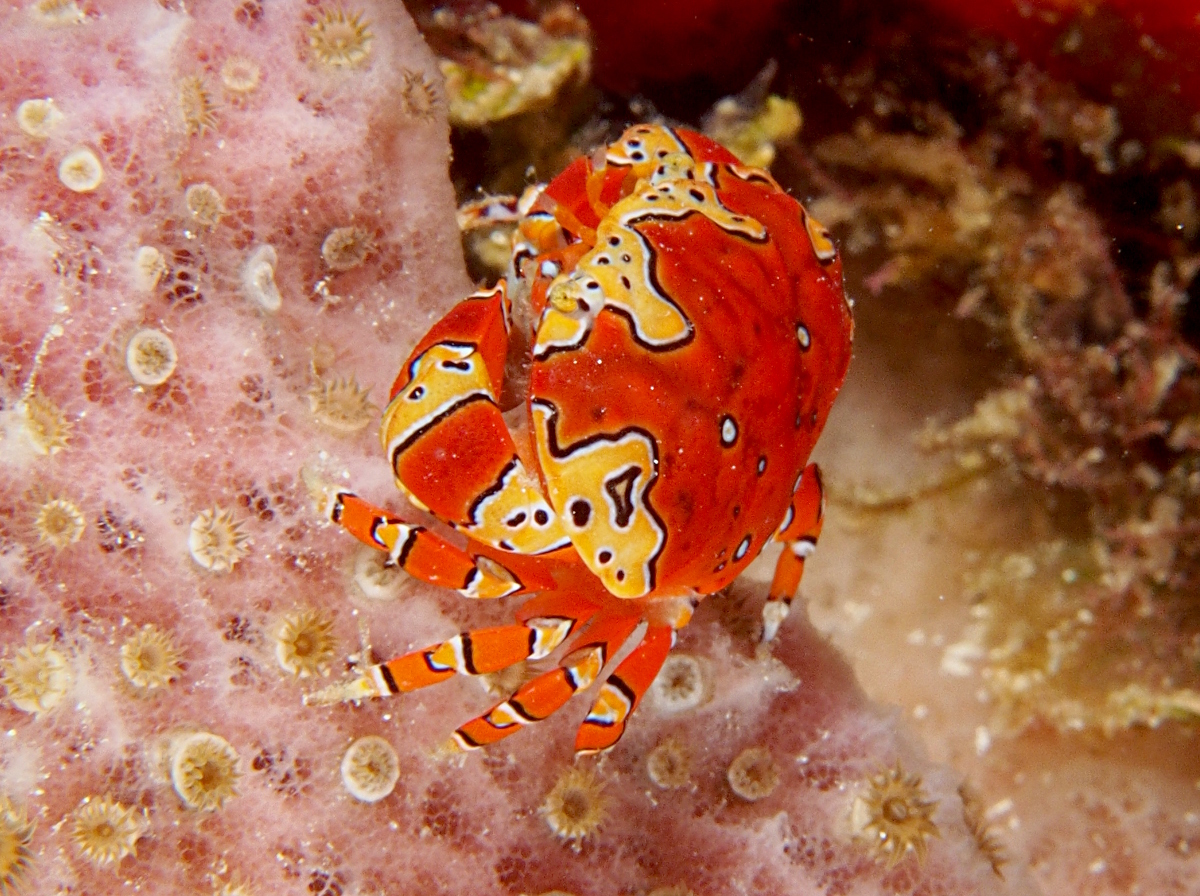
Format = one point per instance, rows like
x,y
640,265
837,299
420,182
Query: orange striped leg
x,y
422,554
537,699
623,690
549,621
800,529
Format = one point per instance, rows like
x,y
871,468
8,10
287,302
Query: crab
x,y
691,333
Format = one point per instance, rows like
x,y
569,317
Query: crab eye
x,y
416,394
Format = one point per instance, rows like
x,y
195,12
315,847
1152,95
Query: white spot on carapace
x,y
743,546
804,336
549,269
729,431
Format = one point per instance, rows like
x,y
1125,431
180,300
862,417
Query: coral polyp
x,y
681,684
150,659
45,424
204,771
258,278
894,815
59,523
241,75
339,38
80,170
216,540
981,832
304,642
197,106
36,678
106,831
669,765
16,858
753,774
418,95
341,405
38,118
375,577
370,769
204,204
150,357
345,248
576,806
149,265
57,12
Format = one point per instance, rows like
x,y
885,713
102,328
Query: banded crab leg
x,y
623,690
799,532
543,624
543,696
426,555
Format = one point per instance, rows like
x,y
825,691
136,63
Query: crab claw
x,y
362,688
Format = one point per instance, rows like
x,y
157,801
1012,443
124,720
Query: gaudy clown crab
x,y
691,335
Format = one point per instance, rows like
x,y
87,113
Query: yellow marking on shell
x,y
619,272
639,148
823,246
621,537
444,376
509,517
750,173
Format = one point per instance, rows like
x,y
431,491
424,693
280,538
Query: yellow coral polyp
x,y
681,684
59,523
241,75
304,643
38,117
150,357
669,765
197,106
894,816
216,540
16,858
345,248
150,659
80,170
370,769
340,39
204,771
753,774
576,806
418,96
105,831
341,405
57,12
36,678
45,424
204,204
